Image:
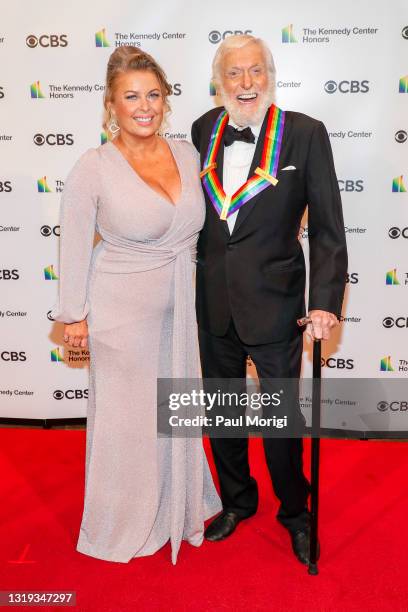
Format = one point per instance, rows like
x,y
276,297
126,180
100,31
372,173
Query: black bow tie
x,y
231,134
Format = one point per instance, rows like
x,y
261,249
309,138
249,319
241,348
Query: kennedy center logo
x,y
49,273
100,39
42,186
35,90
391,277
403,84
398,184
385,364
288,35
56,355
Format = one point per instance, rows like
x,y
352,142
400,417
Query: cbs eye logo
x,y
388,322
216,37
401,136
53,139
46,40
70,394
31,41
394,406
404,33
47,230
396,232
39,139
331,87
399,322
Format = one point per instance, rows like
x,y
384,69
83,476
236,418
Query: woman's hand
x,y
76,334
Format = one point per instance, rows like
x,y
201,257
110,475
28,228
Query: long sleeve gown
x,y
136,290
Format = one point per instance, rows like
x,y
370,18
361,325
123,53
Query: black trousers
x,y
225,357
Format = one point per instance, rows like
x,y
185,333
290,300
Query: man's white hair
x,y
236,42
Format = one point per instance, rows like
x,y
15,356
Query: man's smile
x,y
247,97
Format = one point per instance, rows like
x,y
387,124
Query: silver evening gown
x,y
136,290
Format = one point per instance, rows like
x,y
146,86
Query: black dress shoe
x,y
222,526
301,545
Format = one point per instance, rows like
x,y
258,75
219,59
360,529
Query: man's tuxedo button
x,y
230,247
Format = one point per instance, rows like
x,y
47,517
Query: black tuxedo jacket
x,y
257,274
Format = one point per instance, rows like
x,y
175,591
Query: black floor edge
x,y
45,423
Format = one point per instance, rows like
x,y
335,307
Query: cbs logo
x,y
49,317
352,278
53,139
5,187
47,40
349,185
1,93
394,406
176,89
396,232
13,356
399,322
331,87
9,275
338,363
404,33
401,136
47,230
216,37
70,394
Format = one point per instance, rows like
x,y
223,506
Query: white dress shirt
x,y
237,162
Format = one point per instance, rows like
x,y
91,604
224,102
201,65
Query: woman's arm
x,y
78,220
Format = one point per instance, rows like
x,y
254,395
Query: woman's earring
x,y
113,126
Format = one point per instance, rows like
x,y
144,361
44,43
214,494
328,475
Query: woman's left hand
x,y
76,334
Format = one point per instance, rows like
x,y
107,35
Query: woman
x,y
133,295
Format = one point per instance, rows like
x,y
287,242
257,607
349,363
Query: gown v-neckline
x,y
149,187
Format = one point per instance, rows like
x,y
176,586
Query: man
x,y
251,269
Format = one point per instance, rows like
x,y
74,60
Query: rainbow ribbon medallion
x,y
263,176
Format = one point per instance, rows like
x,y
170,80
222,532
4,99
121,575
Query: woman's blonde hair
x,y
124,59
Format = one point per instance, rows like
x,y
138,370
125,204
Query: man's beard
x,y
242,116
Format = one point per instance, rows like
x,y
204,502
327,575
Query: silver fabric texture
x,y
136,290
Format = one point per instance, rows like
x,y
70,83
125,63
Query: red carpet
x,y
364,562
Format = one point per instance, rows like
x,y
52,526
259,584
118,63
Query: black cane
x,y
315,458
315,454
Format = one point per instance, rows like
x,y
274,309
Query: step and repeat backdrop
x,y
343,63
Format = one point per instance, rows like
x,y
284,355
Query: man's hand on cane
x,y
319,324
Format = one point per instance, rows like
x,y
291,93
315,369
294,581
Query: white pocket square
x,y
289,168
